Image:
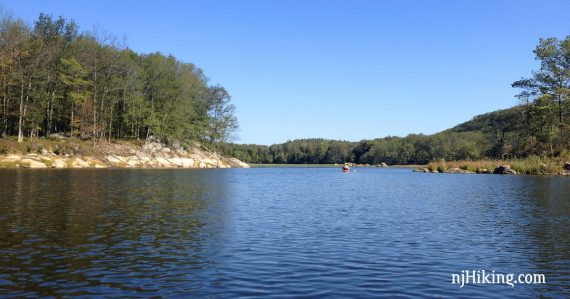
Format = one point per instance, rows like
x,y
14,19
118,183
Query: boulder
x,y
458,170
383,164
152,139
59,163
181,152
504,169
235,163
566,166
79,163
57,136
115,160
187,162
152,145
421,170
32,163
176,146
176,161
163,163
483,170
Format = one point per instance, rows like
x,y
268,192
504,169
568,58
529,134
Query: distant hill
x,y
508,119
501,134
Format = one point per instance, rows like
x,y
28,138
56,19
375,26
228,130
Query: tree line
x,y
412,149
538,126
55,79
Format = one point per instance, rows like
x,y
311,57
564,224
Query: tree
x,y
73,77
550,83
223,122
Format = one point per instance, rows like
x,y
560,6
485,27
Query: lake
x,y
279,232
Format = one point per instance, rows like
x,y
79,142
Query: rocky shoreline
x,y
152,154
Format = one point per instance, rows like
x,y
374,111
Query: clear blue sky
x,y
346,70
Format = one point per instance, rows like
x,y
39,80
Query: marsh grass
x,y
530,165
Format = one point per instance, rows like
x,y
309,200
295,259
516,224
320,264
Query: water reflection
x,y
103,232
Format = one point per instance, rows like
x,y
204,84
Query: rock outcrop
x,y
153,154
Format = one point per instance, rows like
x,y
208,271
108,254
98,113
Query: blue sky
x,y
346,70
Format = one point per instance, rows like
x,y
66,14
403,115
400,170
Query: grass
x,y
47,162
530,165
60,147
8,164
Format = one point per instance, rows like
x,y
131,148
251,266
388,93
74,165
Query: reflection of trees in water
x,y
74,229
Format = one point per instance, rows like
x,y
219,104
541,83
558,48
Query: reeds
x,y
529,165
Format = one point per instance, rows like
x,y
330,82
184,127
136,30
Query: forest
x,y
58,81
538,126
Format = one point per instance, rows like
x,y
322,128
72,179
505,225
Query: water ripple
x,y
278,233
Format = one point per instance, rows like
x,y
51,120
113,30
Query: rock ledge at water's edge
x,y
152,154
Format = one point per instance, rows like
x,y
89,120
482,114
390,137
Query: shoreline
x,y
73,153
528,166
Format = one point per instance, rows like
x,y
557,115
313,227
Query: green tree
x,y
223,122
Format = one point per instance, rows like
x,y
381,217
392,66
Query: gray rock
x,y
176,146
57,136
235,163
383,164
504,169
421,170
458,170
152,139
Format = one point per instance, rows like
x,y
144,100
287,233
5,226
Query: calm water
x,y
278,232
